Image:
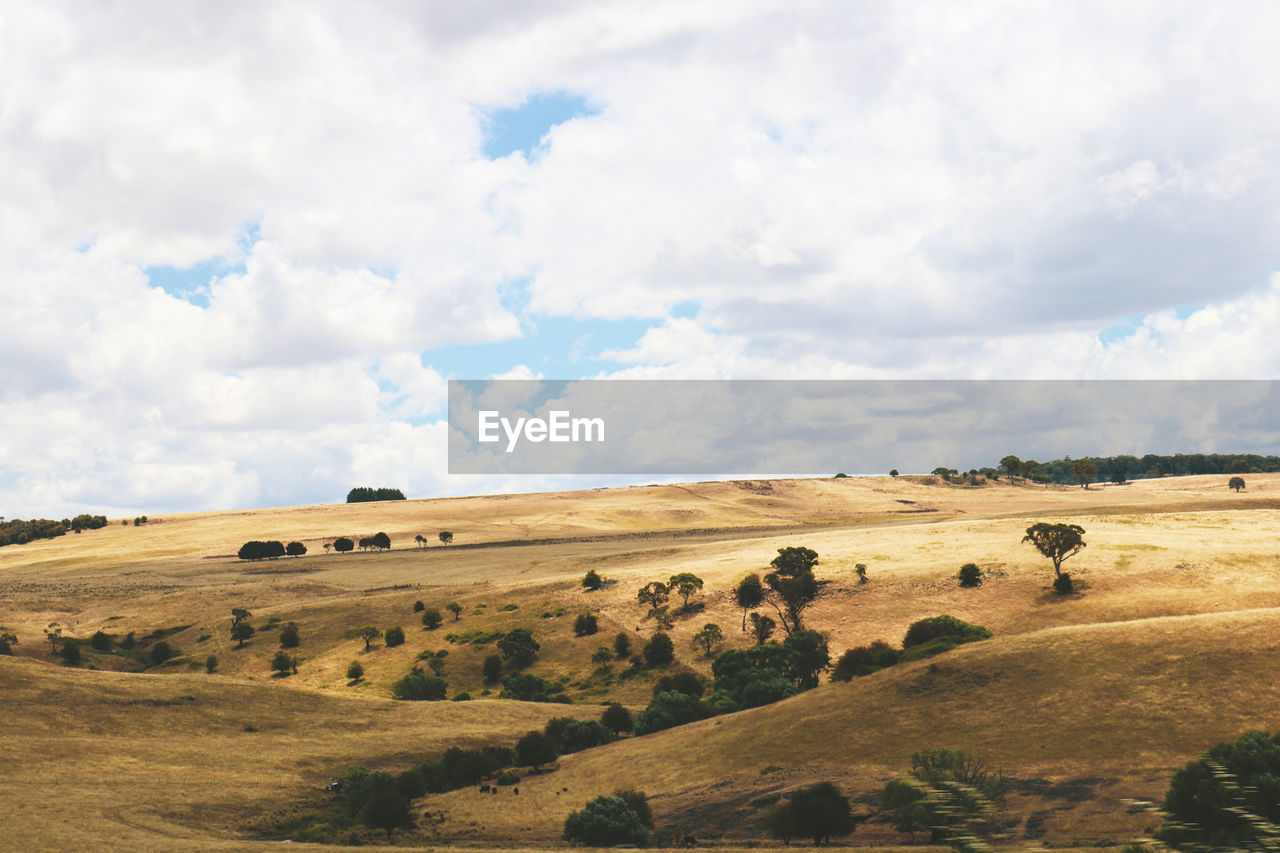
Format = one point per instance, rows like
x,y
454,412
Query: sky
x,y
243,245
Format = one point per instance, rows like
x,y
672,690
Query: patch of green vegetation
x,y
506,608
204,638
475,637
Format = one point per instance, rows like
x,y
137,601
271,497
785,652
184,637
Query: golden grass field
x,y
1089,702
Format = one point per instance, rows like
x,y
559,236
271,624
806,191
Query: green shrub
x,y
526,687
864,660
411,785
289,636
622,645
592,581
518,647
431,618
101,641
970,575
418,607
617,719
70,652
659,651
606,822
576,735
211,664
394,636
160,653
282,662
818,812
585,624
492,668
417,686
1227,797
536,749
668,710
943,626
462,697
355,671
689,683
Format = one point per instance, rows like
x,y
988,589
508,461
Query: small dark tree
x,y
7,641
394,636
455,608
1058,542
653,595
289,638
762,628
970,575
211,664
536,749
70,653
1229,798
1084,472
282,663
592,581
893,472
53,633
238,615
100,641
417,686
860,569
446,538
606,822
793,585
418,607
295,549
160,653
492,669
668,710
602,657
709,638
1236,483
241,632
381,541
585,624
622,645
368,633
809,656
685,584
819,811
386,809
421,540
518,647
617,719
355,671
749,594
431,618
659,651
342,545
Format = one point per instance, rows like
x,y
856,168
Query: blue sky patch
x,y
522,128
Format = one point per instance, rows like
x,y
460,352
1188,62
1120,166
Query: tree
x,y
240,632
380,541
1229,798
355,671
446,538
793,585
617,719
211,664
455,608
659,651
585,624
238,615
602,657
893,472
7,641
160,653
622,645
749,594
386,809
368,633
809,656
606,822
653,594
431,618
289,636
295,549
819,811
944,473
1236,483
363,494
1084,472
492,669
70,653
1011,466
394,636
342,544
762,628
417,686
668,710
970,575
536,749
949,793
421,540
708,638
592,581
860,569
100,641
282,663
53,633
685,584
1058,542
327,547
518,647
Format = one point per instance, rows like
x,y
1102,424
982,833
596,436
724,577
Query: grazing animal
x,y
515,791
484,789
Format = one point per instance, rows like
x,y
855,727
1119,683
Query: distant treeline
x,y
20,532
362,494
1120,469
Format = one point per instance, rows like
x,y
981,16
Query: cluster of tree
x,y
925,638
20,532
138,521
1228,799
445,537
417,686
655,594
256,550
623,818
85,522
379,541
949,794
241,630
1121,469
365,494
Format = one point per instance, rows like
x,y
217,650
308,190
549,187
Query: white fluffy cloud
x,y
915,190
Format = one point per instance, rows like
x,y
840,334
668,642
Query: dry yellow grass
x,y
1165,651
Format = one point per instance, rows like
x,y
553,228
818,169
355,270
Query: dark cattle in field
x,y
484,789
515,791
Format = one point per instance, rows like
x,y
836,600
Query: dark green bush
x,y
943,626
536,749
394,636
622,645
970,575
585,624
70,652
689,683
605,822
592,581
864,660
617,719
160,653
431,618
659,651
492,668
418,607
101,641
289,636
411,785
668,710
417,686
576,735
526,687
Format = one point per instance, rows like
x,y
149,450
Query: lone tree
x,y
446,538
818,812
1057,542
1011,466
749,594
684,585
793,585
708,638
7,642
368,633
289,636
1236,483
295,549
592,581
606,822
455,608
283,663
518,647
241,630
654,595
659,651
342,544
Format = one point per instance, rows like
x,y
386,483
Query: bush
x,y
431,618
668,710
355,671
1062,584
211,664
507,778
386,809
585,624
295,549
289,636
605,822
536,749
688,683
100,641
617,719
819,812
518,647
622,645
411,785
639,802
394,636
362,494
865,660
576,735
492,668
659,651
943,626
70,653
592,581
417,686
970,575
418,607
1224,798
526,687
261,550
462,697
282,662
160,653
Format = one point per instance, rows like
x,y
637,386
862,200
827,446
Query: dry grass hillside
x,y
1088,701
